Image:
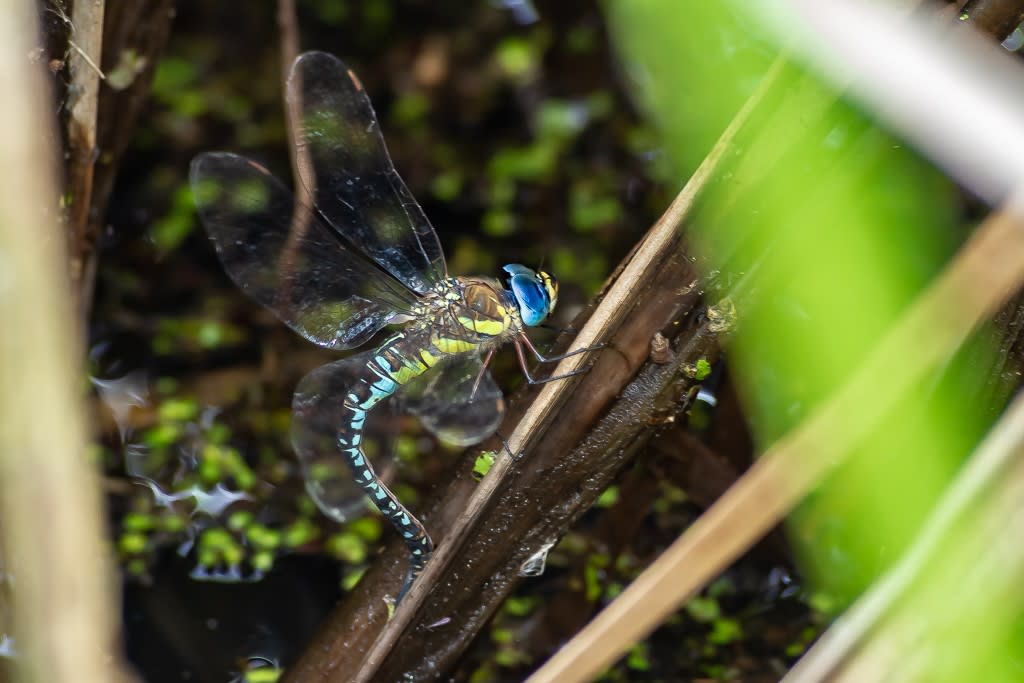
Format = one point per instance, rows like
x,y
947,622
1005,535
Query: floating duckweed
x,y
721,586
138,522
592,579
560,119
725,630
218,433
136,567
172,74
483,463
323,471
407,493
502,192
637,659
263,676
263,537
367,528
132,543
262,560
702,369
703,609
171,230
299,533
210,334
807,635
162,435
207,557
795,649
485,673
237,521
499,223
591,208
823,602
172,524
305,506
520,607
351,579
216,546
608,497
532,162
166,385
178,409
410,109
347,547
242,473
669,496
209,469
509,657
502,636
446,186
516,56
406,449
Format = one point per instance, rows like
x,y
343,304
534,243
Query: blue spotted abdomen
x,y
393,364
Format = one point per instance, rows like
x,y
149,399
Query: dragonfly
x,y
347,255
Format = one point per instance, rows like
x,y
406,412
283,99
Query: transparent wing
x,y
456,400
282,255
316,416
345,166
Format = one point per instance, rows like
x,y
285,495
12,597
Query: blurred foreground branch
x,y
64,603
965,564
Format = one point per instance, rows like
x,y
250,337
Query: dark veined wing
x,y
457,400
280,253
317,412
442,398
344,165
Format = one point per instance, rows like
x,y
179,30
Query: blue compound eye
x,y
530,293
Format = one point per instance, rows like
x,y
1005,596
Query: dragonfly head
x,y
535,292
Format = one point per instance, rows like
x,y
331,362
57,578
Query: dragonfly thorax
x,y
478,311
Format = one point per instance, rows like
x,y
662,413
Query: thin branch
x,y
138,31
64,599
87,29
298,154
989,471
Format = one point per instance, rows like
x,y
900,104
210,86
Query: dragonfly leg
x,y
483,369
508,448
529,378
551,359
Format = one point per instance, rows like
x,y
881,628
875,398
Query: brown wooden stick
x,y
985,273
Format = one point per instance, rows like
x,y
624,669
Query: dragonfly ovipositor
x,y
352,253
